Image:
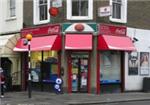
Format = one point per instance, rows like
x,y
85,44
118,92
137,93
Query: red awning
x,y
108,42
78,42
40,43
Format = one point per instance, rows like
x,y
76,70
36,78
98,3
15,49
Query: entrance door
x,y
79,72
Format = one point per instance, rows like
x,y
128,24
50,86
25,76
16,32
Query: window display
x,y
49,66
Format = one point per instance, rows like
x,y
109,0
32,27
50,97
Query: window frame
x,y
123,18
36,15
69,11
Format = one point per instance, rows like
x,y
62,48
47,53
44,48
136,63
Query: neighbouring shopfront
x,y
78,44
10,61
112,45
45,56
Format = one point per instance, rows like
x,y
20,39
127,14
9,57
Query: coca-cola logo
x,y
120,31
52,30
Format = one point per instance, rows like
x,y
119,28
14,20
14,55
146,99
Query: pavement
x,y
47,98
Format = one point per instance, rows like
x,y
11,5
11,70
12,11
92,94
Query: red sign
x,y
107,29
41,30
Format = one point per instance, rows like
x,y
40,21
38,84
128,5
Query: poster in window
x,y
35,75
144,63
133,63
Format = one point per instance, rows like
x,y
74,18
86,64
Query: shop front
x,y
10,61
112,45
78,45
45,56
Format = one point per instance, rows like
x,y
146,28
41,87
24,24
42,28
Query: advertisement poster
x,y
35,75
144,63
133,63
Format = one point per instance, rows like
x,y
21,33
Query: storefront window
x,y
49,66
110,67
36,58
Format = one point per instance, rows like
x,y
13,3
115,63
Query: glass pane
x,y
43,12
79,7
110,66
84,74
116,11
12,8
84,8
12,3
75,7
40,1
35,65
75,71
12,12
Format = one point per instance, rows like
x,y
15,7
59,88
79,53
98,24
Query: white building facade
x,y
134,77
11,22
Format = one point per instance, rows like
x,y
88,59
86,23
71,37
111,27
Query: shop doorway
x,y
79,72
6,65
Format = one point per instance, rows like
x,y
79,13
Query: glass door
x,y
79,73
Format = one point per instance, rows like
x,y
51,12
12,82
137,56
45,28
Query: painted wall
x,y
9,25
135,82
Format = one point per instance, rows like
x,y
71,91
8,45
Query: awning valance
x,y
52,42
108,42
78,42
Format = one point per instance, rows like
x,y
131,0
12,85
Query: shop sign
x,y
57,3
85,27
107,29
41,30
104,11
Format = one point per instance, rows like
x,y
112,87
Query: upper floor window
x,y
79,9
41,14
12,8
119,11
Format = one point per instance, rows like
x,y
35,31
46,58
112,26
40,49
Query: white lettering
x,y
52,30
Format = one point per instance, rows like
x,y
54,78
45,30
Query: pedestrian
x,y
2,82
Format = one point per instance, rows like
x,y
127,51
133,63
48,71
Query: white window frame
x,y
69,11
123,18
36,18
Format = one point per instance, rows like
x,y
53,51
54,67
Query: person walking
x,y
2,82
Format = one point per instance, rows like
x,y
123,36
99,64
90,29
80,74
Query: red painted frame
x,y
98,73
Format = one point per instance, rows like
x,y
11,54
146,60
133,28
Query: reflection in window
x,y
49,65
116,9
43,9
110,65
79,7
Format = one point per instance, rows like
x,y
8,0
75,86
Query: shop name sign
x,y
41,30
107,29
